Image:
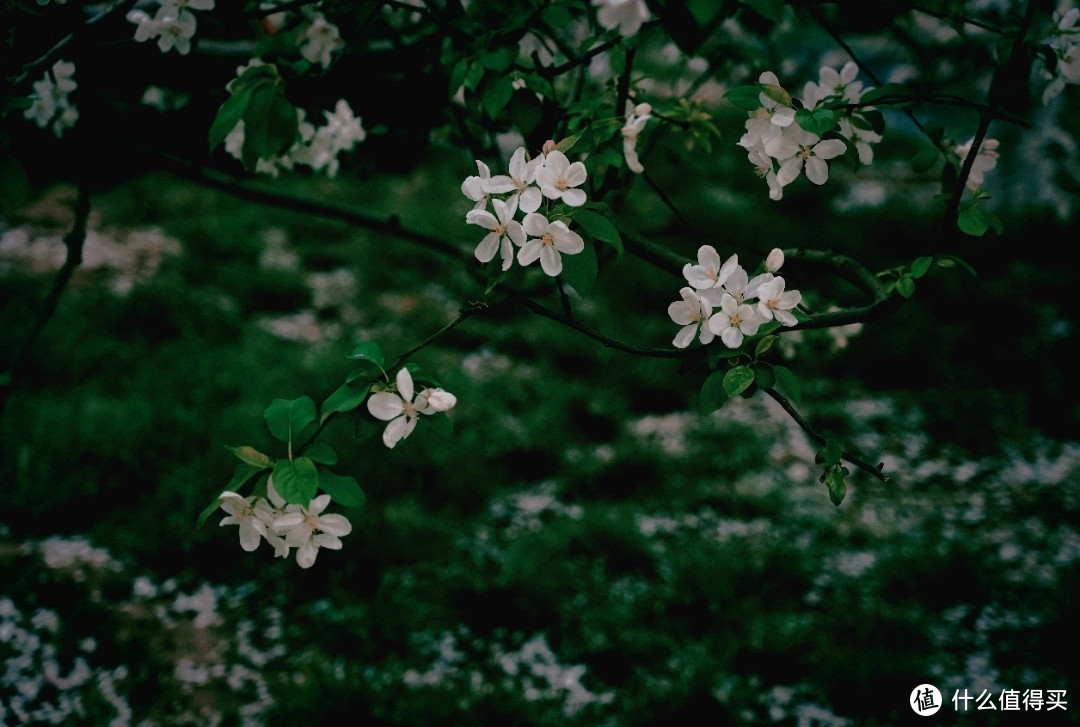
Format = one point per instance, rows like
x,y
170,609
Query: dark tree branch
x,y
820,439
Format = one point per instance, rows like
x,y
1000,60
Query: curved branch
x,y
73,241
820,439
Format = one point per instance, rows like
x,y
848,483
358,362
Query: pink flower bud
x,y
549,146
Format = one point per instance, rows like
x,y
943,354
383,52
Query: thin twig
x,y
813,434
73,241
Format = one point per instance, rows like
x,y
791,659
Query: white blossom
x,y
626,15
733,321
692,313
307,529
548,241
775,302
636,118
320,41
559,179
504,230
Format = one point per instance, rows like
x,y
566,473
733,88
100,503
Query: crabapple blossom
x,y
985,160
548,241
320,41
474,187
519,181
709,272
245,512
1065,44
775,302
559,179
765,167
775,260
402,411
626,15
842,83
692,313
49,102
504,229
733,321
307,529
811,153
861,138
770,118
636,117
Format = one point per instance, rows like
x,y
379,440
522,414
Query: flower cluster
x,y
781,149
1065,44
50,106
173,24
285,525
549,176
317,148
321,39
717,301
402,410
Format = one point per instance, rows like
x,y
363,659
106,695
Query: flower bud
x,y
775,260
642,109
549,146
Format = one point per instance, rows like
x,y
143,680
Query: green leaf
x,y
497,95
905,286
537,83
764,376
366,372
254,76
924,159
769,9
251,456
745,97
836,481
288,420
948,261
715,354
738,379
369,351
817,121
831,453
763,346
886,91
567,143
321,453
525,112
973,221
920,266
228,116
600,227
207,512
777,93
579,271
342,489
787,382
473,76
713,394
296,480
498,59
270,124
345,398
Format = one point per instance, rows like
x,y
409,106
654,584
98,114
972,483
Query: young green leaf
x,y
342,489
344,398
579,271
713,394
600,227
738,380
920,265
296,480
369,351
321,453
288,420
836,481
251,456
